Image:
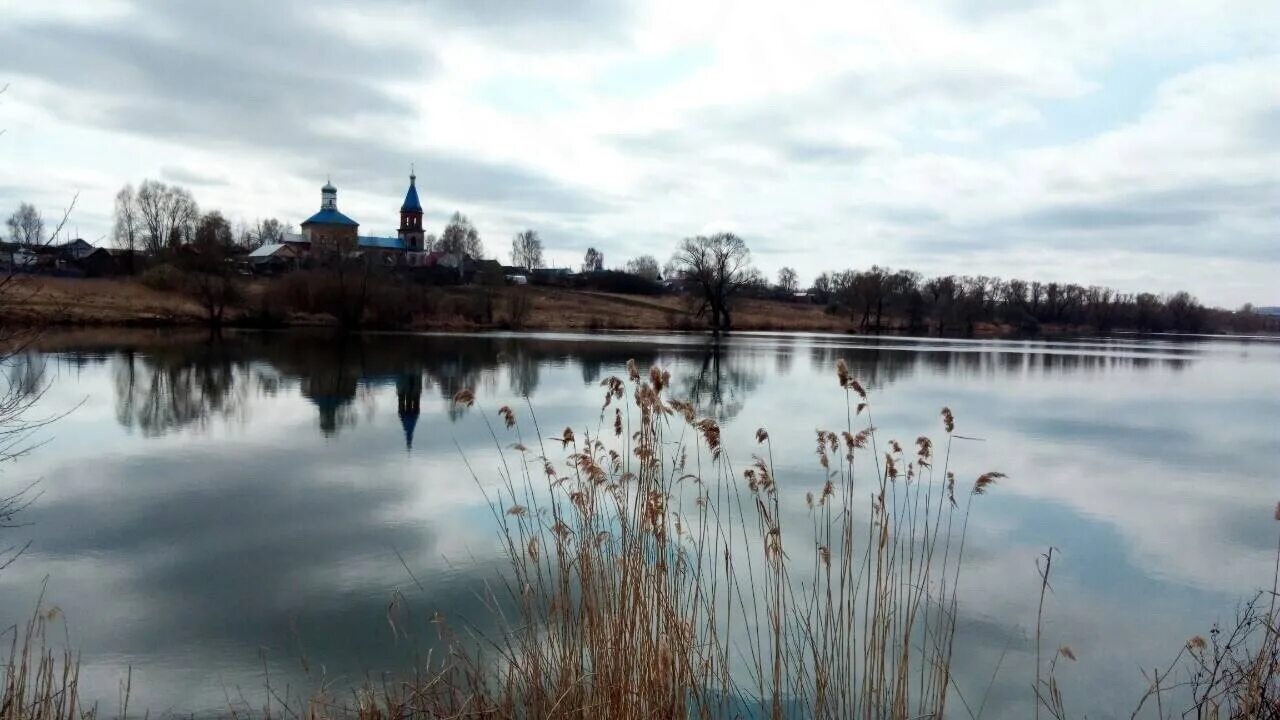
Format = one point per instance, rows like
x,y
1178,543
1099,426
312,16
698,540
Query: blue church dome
x,y
411,203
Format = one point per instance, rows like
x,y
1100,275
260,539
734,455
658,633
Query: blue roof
x,y
382,243
329,217
411,198
408,421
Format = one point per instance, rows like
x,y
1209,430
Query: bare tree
x,y
26,226
168,214
213,285
460,236
788,281
822,287
126,233
719,266
646,266
21,386
526,250
269,231
213,234
209,278
593,261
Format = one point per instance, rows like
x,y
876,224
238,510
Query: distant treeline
x,y
884,299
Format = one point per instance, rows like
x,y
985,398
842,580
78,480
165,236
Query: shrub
x,y
163,277
519,308
266,312
613,281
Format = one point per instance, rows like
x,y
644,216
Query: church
x,y
329,232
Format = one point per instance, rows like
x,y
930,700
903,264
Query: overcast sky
x,y
1134,144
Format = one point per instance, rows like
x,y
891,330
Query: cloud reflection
x,y
271,488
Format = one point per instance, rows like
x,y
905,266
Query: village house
x,y
74,258
273,258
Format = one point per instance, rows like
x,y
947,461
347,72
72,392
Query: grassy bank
x,y
650,576
48,301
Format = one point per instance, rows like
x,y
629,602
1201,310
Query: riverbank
x,y
47,301
76,302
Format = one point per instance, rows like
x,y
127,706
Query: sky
x,y
1131,144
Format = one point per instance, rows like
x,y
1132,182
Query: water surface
x,y
213,510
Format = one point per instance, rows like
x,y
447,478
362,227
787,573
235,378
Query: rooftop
x,y
382,243
329,217
267,250
411,203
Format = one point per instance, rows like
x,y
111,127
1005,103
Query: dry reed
x,y
650,578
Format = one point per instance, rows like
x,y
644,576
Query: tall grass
x,y
651,576
41,683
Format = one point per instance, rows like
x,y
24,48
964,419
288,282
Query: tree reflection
x,y
177,387
162,385
873,366
720,386
523,371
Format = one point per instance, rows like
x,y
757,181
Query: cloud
x,y
534,26
237,83
212,71
928,135
186,176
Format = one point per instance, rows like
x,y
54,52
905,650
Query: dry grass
x,y
121,301
39,683
651,577
1235,674
50,300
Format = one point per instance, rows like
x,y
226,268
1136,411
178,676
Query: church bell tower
x,y
410,232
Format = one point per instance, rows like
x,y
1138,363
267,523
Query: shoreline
x,y
76,304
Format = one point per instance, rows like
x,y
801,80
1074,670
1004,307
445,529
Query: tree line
x,y
158,220
716,270
881,298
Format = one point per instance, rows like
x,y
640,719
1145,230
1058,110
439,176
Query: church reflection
x,y
409,405
165,383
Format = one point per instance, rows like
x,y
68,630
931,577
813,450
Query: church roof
x,y
411,198
382,243
329,217
408,421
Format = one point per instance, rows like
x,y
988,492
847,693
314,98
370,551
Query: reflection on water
x,y
161,387
211,500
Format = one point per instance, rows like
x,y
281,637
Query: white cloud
x,y
932,135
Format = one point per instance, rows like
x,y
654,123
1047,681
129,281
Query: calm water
x,y
211,508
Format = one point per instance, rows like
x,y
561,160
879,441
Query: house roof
x,y
382,243
329,217
268,250
411,203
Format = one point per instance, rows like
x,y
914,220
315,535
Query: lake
x,y
212,511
